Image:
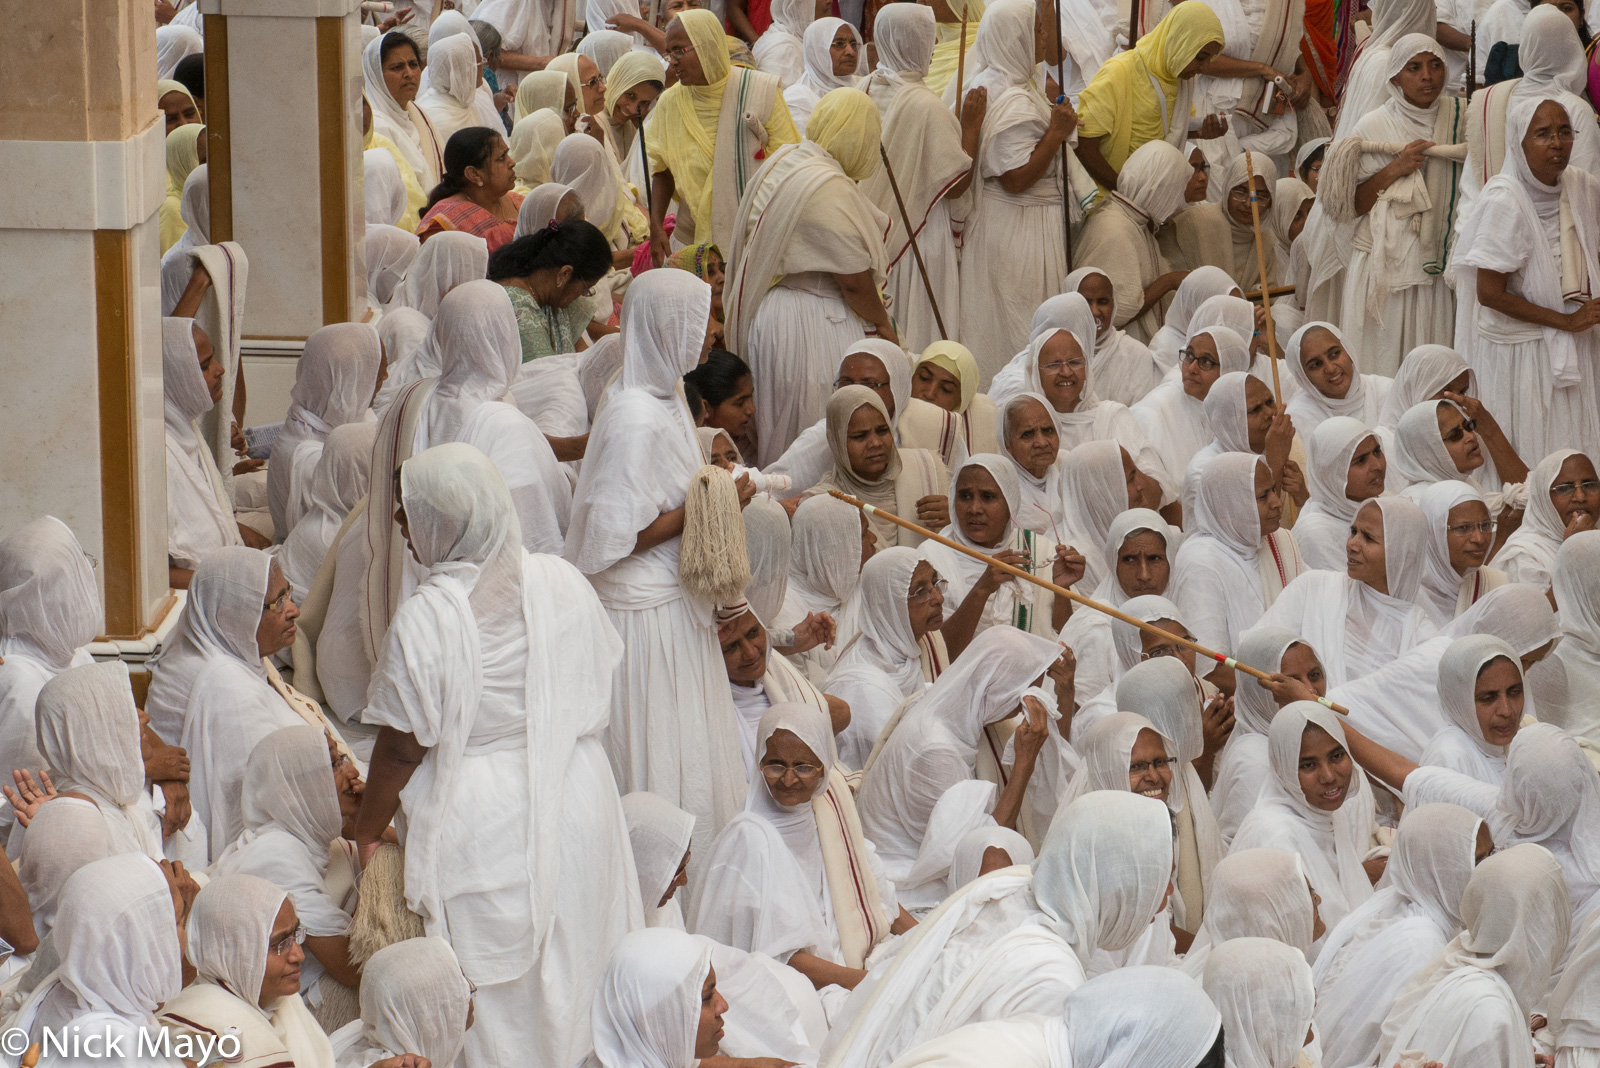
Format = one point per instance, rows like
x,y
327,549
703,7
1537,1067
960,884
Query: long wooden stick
x,y
1062,591
1066,171
1472,61
1272,291
911,236
1261,262
961,63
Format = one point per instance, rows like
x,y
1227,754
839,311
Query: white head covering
x,y
49,605
766,539
1331,448
1576,583
451,84
1103,869
659,832
385,191
1002,50
1256,893
1095,492
1235,313
797,826
1420,455
89,735
1147,608
1552,798
173,43
818,44
1199,286
1129,522
647,1009
1539,537
905,38
1227,410
289,787
1518,916
475,337
1263,990
194,207
445,261
1405,545
1458,675
1253,704
605,47
539,207
230,925
967,860
1311,404
881,619
1065,312
1106,749
533,144
1138,1017
1152,181
1331,844
1426,370
1042,506
580,163
118,941
337,485
979,690
390,251
335,378
825,553
63,836
406,126
414,999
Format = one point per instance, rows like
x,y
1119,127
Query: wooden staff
x,y
1066,172
1270,292
644,159
1061,591
1472,61
1261,261
961,62
911,236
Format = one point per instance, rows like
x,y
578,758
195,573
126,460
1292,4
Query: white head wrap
x,y
659,832
647,1009
385,190
49,605
63,836
445,261
825,553
1263,990
1138,1017
414,999
117,937
968,857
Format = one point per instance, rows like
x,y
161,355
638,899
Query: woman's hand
x,y
1584,318
1285,689
660,244
818,628
1211,128
1293,481
1280,439
1217,723
933,511
1031,732
405,1060
974,106
1375,868
1580,522
1063,120
746,488
188,889
1411,159
179,808
1068,566
29,795
167,764
396,20
993,577
1064,672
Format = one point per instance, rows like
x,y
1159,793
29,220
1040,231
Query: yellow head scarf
x,y
167,85
540,89
710,44
954,358
183,155
533,141
567,64
633,69
1121,104
845,122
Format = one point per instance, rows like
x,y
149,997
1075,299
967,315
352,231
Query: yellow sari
x,y
942,71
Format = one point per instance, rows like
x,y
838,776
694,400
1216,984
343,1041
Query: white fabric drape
x,y
1256,893
1263,990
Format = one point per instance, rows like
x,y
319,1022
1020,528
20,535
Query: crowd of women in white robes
x,y
562,683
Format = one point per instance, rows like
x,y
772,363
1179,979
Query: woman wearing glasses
x,y
1222,234
791,876
1173,415
1461,538
1457,439
246,941
1563,499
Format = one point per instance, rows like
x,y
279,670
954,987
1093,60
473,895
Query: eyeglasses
x,y
277,605
1055,367
597,81
1142,766
675,54
775,770
1204,362
1567,489
840,383
923,593
1242,195
1458,432
1166,650
1487,526
280,947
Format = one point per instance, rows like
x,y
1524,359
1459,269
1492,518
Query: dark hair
x,y
1316,154
1216,1056
395,39
470,146
697,403
574,244
191,74
718,378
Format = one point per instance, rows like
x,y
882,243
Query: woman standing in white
x,y
672,726
492,690
931,152
1396,295
1013,254
832,49
1526,309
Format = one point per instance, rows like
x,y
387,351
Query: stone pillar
x,y
283,107
82,157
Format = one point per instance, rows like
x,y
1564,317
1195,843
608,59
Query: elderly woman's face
x,y
1547,144
276,629
683,62
925,599
980,507
1469,534
1269,502
284,956
843,50
1063,371
179,110
934,384
594,86
868,443
865,369
791,769
1032,438
1365,560
1239,201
